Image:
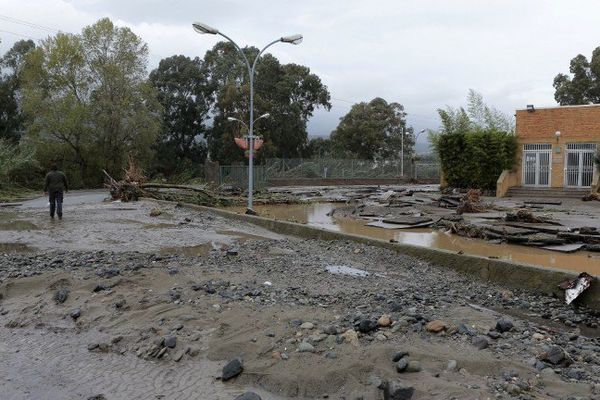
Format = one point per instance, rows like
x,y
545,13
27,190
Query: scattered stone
x,y
171,341
556,355
452,365
307,325
367,325
504,325
575,373
232,252
248,396
413,366
155,212
330,330
306,347
178,356
399,355
350,336
61,296
538,336
480,342
92,346
494,335
435,326
75,313
232,369
396,390
401,365
100,287
384,321
331,355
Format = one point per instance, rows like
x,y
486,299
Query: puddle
x,y
17,226
344,270
190,251
241,236
317,214
12,248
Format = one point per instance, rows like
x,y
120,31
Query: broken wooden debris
x,y
545,202
576,237
565,248
574,287
407,220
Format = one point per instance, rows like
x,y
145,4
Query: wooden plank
x,y
548,202
406,220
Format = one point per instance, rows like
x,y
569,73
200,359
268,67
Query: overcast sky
x,y
424,54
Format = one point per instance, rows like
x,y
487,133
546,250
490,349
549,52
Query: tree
x,y
182,92
318,148
289,93
584,85
11,117
88,101
475,144
373,130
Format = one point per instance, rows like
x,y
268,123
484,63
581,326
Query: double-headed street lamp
x,y
292,39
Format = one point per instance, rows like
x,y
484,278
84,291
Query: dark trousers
x,y
56,200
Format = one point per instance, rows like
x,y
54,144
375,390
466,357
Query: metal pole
x,y
251,125
402,155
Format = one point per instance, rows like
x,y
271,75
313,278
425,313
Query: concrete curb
x,y
520,276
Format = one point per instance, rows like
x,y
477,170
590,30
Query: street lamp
x,y
291,39
231,119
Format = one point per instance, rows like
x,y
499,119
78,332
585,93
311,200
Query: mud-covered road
x,y
115,303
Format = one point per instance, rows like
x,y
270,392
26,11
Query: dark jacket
x,y
55,181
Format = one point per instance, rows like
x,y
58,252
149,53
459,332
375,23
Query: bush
x,y
14,160
475,159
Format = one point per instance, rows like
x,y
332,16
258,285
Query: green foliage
x,y
183,95
11,64
476,159
288,92
583,87
474,145
13,161
88,102
373,131
318,148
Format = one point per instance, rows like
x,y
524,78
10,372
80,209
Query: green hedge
x,y
476,159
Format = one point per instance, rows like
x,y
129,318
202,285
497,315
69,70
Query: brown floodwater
x,y
317,214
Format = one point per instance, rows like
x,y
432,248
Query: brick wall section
x,y
577,124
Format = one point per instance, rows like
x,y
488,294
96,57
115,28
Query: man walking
x,y
55,185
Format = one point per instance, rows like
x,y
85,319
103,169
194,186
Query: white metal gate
x,y
536,164
579,164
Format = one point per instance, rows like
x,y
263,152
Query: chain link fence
x,y
422,168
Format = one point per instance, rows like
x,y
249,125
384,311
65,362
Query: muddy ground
x,y
111,301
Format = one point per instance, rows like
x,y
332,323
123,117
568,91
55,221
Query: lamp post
x,y
292,39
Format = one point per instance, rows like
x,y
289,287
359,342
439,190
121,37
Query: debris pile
x,y
471,203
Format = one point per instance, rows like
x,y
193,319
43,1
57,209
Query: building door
x,y
579,164
536,164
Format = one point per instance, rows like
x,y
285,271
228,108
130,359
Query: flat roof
x,y
554,107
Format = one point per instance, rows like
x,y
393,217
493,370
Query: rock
x,y
307,325
452,365
465,330
413,366
538,336
398,355
331,355
75,313
155,212
576,373
556,355
178,356
494,335
330,330
232,369
318,337
248,396
367,325
61,296
480,342
513,389
401,365
396,390
435,326
171,341
350,336
384,321
92,346
232,252
97,397
100,287
504,325
306,347
378,382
